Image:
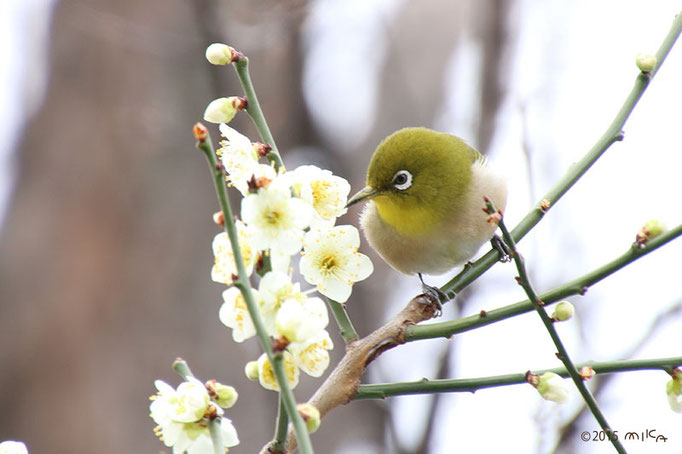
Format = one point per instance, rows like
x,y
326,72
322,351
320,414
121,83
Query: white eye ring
x,y
402,180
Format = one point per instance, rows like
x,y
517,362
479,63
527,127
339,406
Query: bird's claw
x,y
501,247
435,295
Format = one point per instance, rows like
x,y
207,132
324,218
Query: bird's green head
x,y
417,177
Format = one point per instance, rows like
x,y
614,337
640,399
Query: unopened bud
x,y
645,62
251,370
563,311
223,395
586,372
200,132
219,218
310,415
674,391
650,230
223,110
552,387
220,54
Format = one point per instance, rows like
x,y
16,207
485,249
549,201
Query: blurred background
x,y
105,207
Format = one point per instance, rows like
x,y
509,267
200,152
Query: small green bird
x,y
425,190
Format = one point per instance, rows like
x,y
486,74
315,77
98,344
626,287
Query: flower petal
x,y
339,291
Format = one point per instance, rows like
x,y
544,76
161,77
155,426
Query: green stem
x,y
345,325
244,285
424,386
290,404
613,134
216,436
524,281
255,112
279,443
577,286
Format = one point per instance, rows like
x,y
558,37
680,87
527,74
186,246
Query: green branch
x,y
244,285
216,436
279,442
345,325
613,134
576,286
562,353
255,112
424,386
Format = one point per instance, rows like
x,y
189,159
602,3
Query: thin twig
x,y
577,286
612,134
345,325
424,386
562,353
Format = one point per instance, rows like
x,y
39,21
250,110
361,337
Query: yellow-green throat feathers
x,y
426,193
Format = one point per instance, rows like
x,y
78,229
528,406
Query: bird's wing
x,y
476,157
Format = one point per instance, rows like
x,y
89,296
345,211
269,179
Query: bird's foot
x,y
436,295
501,247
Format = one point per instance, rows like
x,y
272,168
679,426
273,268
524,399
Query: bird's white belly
x,y
449,245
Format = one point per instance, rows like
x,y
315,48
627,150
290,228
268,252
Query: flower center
x,y
328,264
272,217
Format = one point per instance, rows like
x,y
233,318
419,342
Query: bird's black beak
x,y
366,193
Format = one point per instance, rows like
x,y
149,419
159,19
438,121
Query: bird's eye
x,y
402,180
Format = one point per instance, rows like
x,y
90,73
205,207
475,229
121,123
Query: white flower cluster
x,y
181,416
283,214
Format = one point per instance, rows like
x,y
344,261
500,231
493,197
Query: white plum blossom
x,y
179,415
552,387
186,404
234,314
240,160
312,356
279,261
274,289
324,191
13,447
202,444
300,321
266,375
276,218
225,266
331,261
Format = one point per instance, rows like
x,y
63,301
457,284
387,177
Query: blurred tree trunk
x,y
105,256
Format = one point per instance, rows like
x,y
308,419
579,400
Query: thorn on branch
x,y
545,204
